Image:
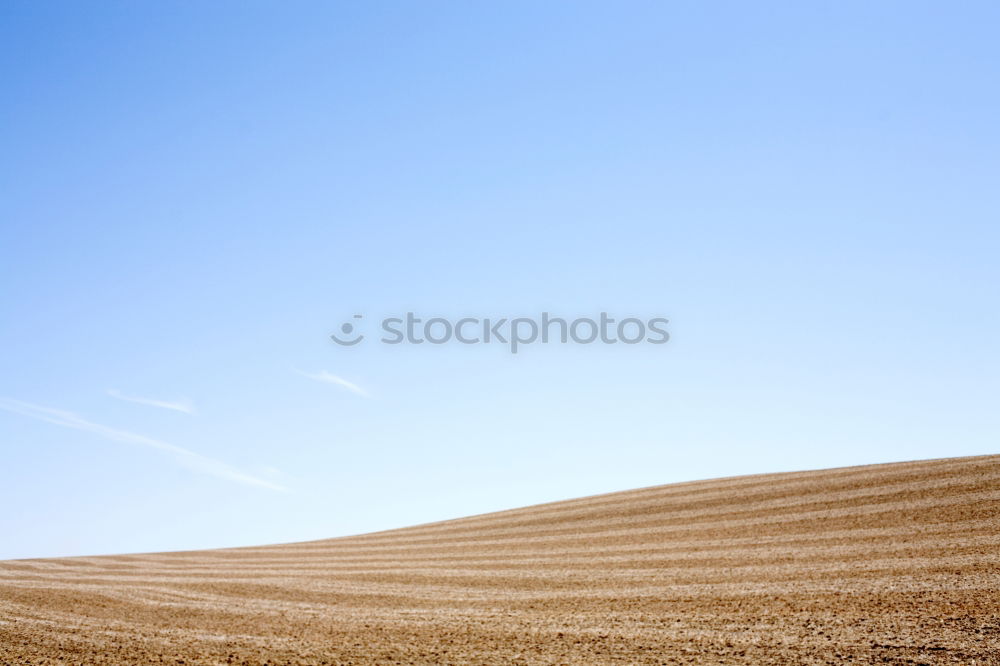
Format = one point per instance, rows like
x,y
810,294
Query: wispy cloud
x,y
330,378
182,405
190,459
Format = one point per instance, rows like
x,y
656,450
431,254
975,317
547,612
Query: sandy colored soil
x,y
887,564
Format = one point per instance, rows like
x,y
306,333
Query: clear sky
x,y
194,196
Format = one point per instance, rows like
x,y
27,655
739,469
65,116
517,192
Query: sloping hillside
x,y
892,563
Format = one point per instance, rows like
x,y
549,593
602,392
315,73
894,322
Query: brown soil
x,y
886,564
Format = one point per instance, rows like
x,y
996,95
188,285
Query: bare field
x,y
886,564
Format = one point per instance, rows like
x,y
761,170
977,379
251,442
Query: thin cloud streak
x,y
189,459
183,405
330,378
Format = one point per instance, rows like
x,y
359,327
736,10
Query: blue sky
x,y
194,196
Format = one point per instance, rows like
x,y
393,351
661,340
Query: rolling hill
x,y
896,563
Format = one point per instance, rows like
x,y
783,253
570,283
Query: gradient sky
x,y
193,196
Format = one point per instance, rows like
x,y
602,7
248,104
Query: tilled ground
x,y
887,564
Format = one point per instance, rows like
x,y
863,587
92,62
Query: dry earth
x,y
886,564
